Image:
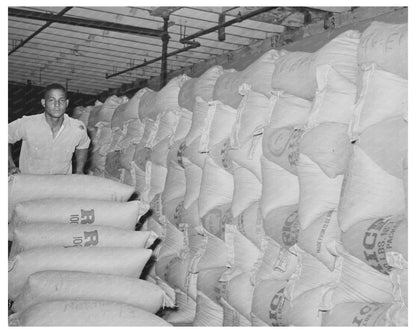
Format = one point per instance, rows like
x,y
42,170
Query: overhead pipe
x,y
165,41
96,24
61,13
239,18
187,48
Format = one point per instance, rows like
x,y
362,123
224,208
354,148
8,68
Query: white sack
x,y
202,86
162,100
329,146
217,187
190,216
133,131
85,313
368,192
363,314
282,225
281,146
93,117
386,144
334,99
359,282
295,71
34,235
371,240
383,95
270,302
289,110
215,254
30,187
306,309
280,187
250,223
184,313
117,120
247,190
318,193
80,211
276,263
82,114
321,232
108,108
118,261
247,156
66,285
239,294
253,114
386,45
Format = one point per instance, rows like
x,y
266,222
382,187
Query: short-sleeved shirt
x,y
41,153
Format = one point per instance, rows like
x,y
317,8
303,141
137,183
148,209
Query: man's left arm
x,y
81,156
81,152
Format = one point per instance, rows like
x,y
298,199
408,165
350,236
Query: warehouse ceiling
x,y
95,49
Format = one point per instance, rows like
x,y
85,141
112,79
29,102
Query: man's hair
x,y
53,86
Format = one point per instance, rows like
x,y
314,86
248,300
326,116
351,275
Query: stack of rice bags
x,y
76,258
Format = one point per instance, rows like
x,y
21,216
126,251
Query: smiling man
x,y
49,139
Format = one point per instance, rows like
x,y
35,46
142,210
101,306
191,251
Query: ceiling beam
x,y
61,13
332,9
186,48
268,17
96,24
163,11
239,18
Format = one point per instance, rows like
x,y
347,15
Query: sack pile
x,y
279,192
101,134
76,258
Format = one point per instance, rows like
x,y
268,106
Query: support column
x,y
165,40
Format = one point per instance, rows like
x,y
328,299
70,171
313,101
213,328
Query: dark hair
x,y
53,86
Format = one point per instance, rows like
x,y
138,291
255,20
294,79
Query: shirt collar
x,y
65,123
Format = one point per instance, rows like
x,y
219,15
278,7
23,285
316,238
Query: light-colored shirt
x,y
41,153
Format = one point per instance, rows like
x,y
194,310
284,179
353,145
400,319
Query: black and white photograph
x,y
207,165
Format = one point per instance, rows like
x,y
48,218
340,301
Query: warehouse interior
x,y
247,167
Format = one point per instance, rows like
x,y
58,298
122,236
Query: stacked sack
x,y
264,121
127,131
216,183
163,205
372,209
280,192
89,116
178,268
182,211
159,111
101,134
320,155
313,150
76,259
234,221
166,124
278,261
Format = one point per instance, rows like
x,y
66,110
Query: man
x,y
49,139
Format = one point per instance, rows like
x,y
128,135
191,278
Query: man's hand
x,y
14,170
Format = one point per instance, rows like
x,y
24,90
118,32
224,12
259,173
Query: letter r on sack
x,y
87,216
91,238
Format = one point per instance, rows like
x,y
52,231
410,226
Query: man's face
x,y
55,103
